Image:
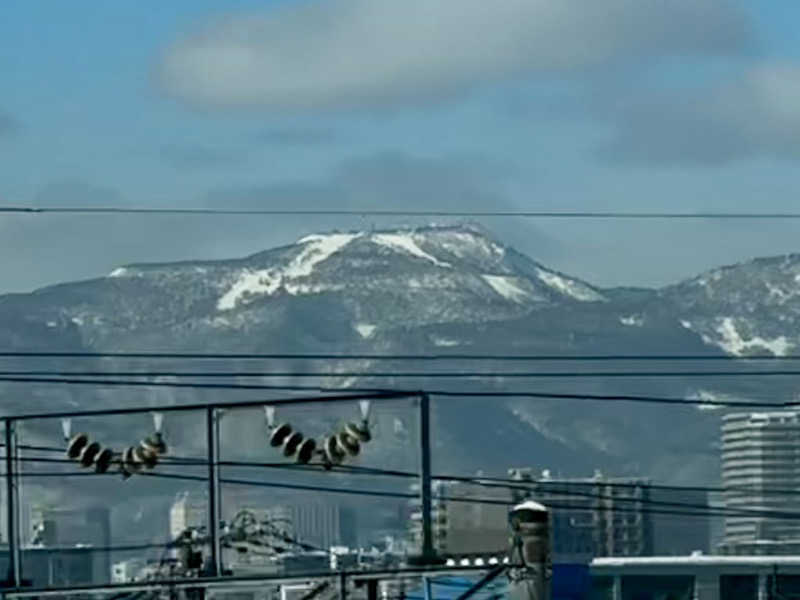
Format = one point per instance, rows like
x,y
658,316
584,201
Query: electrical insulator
x,y
348,443
333,453
130,463
279,434
291,442
156,443
145,456
89,453
103,460
76,445
360,432
150,449
306,450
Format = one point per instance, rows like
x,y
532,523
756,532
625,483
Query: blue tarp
x,y
570,582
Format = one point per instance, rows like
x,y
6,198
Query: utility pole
x,y
12,501
212,440
428,555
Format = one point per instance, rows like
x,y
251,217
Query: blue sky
x,y
378,104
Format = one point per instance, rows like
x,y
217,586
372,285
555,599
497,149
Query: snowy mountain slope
x,y
375,280
428,290
744,309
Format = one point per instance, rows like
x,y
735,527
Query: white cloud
x,y
342,53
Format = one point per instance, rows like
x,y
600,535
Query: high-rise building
x,y
760,450
69,528
187,511
592,516
464,528
320,524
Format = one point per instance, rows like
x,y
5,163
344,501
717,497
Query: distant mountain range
x,y
440,290
379,282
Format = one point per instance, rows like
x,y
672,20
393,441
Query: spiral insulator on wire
x,y
88,453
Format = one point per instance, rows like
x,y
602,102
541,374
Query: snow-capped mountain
x,y
744,309
442,289
372,281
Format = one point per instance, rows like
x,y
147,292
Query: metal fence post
x,y
428,553
12,501
342,586
212,434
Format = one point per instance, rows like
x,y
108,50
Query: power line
x,y
510,484
692,510
336,395
197,385
398,357
385,393
488,481
706,510
538,214
405,374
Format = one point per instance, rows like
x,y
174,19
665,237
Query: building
x,y
760,450
126,570
318,524
187,511
72,528
593,516
464,528
56,567
696,577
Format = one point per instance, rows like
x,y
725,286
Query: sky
x,y
645,105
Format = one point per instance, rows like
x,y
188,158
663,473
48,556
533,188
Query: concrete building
x,y
464,528
592,516
56,567
321,524
696,577
50,527
760,450
126,571
188,510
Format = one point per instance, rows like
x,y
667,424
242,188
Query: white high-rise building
x,y
761,450
187,511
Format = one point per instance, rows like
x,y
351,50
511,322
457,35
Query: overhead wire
x,y
406,374
719,511
641,398
397,357
538,214
691,510
480,480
